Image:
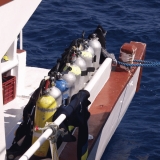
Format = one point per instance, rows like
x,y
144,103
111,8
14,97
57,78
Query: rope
x,y
142,61
141,64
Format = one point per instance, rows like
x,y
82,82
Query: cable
x,y
142,64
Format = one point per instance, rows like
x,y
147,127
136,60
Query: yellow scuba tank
x,y
45,109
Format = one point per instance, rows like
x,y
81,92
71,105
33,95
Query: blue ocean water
x,y
56,23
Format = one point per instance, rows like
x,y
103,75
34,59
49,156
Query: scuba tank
x,y
91,50
71,67
77,72
88,48
52,90
101,35
62,85
46,106
70,78
87,53
56,94
64,74
80,62
87,56
95,44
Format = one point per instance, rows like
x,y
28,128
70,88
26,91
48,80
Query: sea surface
x,y
56,23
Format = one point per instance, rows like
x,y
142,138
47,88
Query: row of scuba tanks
x,y
72,72
74,69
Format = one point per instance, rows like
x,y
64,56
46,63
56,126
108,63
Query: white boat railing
x,y
42,139
21,40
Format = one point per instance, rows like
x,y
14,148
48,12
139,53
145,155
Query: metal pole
x,y
36,145
60,119
21,40
41,139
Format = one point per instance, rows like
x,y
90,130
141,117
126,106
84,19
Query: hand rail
x,y
21,40
42,139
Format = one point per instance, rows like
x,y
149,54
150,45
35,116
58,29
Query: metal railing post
x,y
21,40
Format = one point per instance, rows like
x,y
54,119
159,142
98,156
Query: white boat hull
x,y
115,118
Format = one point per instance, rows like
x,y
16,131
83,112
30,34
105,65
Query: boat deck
x,y
100,109
13,110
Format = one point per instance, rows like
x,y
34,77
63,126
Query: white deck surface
x,y
13,110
